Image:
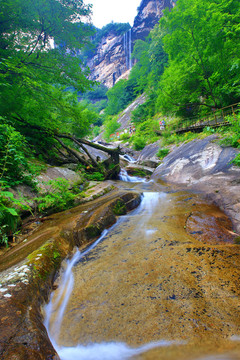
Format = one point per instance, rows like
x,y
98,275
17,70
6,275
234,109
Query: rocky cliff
x,y
112,58
149,13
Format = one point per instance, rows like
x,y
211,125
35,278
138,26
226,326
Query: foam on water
x,y
66,288
107,351
127,178
101,351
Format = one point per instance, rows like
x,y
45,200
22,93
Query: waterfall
x,y
130,48
125,177
127,48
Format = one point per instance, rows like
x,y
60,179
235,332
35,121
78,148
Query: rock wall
x,y
112,59
150,11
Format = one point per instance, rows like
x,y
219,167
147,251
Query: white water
x,y
130,49
102,351
127,47
107,351
66,288
128,158
125,177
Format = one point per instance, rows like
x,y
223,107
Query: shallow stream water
x,y
152,287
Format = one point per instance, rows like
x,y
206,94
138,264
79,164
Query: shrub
x,y
162,153
120,208
236,161
96,176
233,137
9,214
13,163
58,197
139,143
110,125
124,137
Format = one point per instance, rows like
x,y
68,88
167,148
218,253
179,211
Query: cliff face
x,y
109,61
150,11
112,59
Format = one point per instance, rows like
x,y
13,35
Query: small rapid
x,y
66,288
104,350
123,176
107,351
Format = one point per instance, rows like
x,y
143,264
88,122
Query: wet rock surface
x,y
169,271
26,285
203,165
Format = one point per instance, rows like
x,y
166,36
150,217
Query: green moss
x,y
139,172
120,208
162,153
92,231
237,240
45,260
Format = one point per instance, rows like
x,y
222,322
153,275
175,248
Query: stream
x,y
162,283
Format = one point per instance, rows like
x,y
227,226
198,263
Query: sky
x,y
106,11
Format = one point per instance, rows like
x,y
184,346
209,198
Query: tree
x,y
119,97
36,79
202,42
31,68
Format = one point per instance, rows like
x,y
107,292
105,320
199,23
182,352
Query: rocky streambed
x,y
28,271
196,253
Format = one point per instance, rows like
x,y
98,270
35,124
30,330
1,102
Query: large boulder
x,y
203,165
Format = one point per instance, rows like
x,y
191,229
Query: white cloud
x,y
105,11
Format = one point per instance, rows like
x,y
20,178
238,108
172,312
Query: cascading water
x,y
147,288
127,47
65,292
125,177
96,351
130,48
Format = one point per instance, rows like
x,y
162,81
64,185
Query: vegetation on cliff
x,y
188,65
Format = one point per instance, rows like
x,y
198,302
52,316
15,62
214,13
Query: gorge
x,y
140,265
112,58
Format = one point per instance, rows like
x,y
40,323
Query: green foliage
x,y
232,137
9,214
110,126
37,80
139,143
96,176
58,197
138,172
236,161
95,99
14,168
202,42
237,240
162,153
96,93
139,72
119,208
124,137
147,130
119,97
96,131
144,111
